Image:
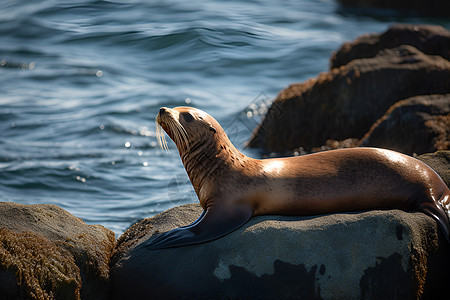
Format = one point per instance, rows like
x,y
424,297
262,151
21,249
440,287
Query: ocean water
x,y
82,81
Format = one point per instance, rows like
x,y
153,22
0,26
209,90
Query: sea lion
x,y
233,187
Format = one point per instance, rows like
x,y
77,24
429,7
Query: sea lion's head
x,y
186,126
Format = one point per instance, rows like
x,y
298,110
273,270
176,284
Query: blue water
x,y
81,84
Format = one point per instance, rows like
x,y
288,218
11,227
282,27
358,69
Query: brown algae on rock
x,y
43,269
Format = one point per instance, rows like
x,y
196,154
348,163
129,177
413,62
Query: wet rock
x,y
47,253
439,162
440,8
429,39
385,254
345,102
416,125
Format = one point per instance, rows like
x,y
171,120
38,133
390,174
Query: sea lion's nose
x,y
162,111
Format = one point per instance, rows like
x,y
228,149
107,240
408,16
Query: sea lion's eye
x,y
187,117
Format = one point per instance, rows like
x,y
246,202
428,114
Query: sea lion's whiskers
x,y
161,138
179,133
175,132
183,134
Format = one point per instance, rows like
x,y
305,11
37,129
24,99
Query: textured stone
x,y
416,125
370,255
47,253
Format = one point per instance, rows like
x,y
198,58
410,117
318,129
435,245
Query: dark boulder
x,y
416,125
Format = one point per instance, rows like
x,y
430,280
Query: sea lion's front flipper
x,y
216,222
196,221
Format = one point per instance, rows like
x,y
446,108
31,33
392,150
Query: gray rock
x,y
370,255
47,253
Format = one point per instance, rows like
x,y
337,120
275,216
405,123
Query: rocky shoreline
x,y
381,91
47,253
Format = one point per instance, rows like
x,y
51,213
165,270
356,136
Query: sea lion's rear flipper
x,y
439,211
214,223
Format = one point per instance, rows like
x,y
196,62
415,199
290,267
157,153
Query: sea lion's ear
x,y
212,129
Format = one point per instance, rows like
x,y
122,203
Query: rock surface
x,y
440,162
439,8
429,39
369,255
345,102
419,125
47,253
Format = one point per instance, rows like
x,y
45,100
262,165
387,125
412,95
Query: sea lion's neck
x,y
206,157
